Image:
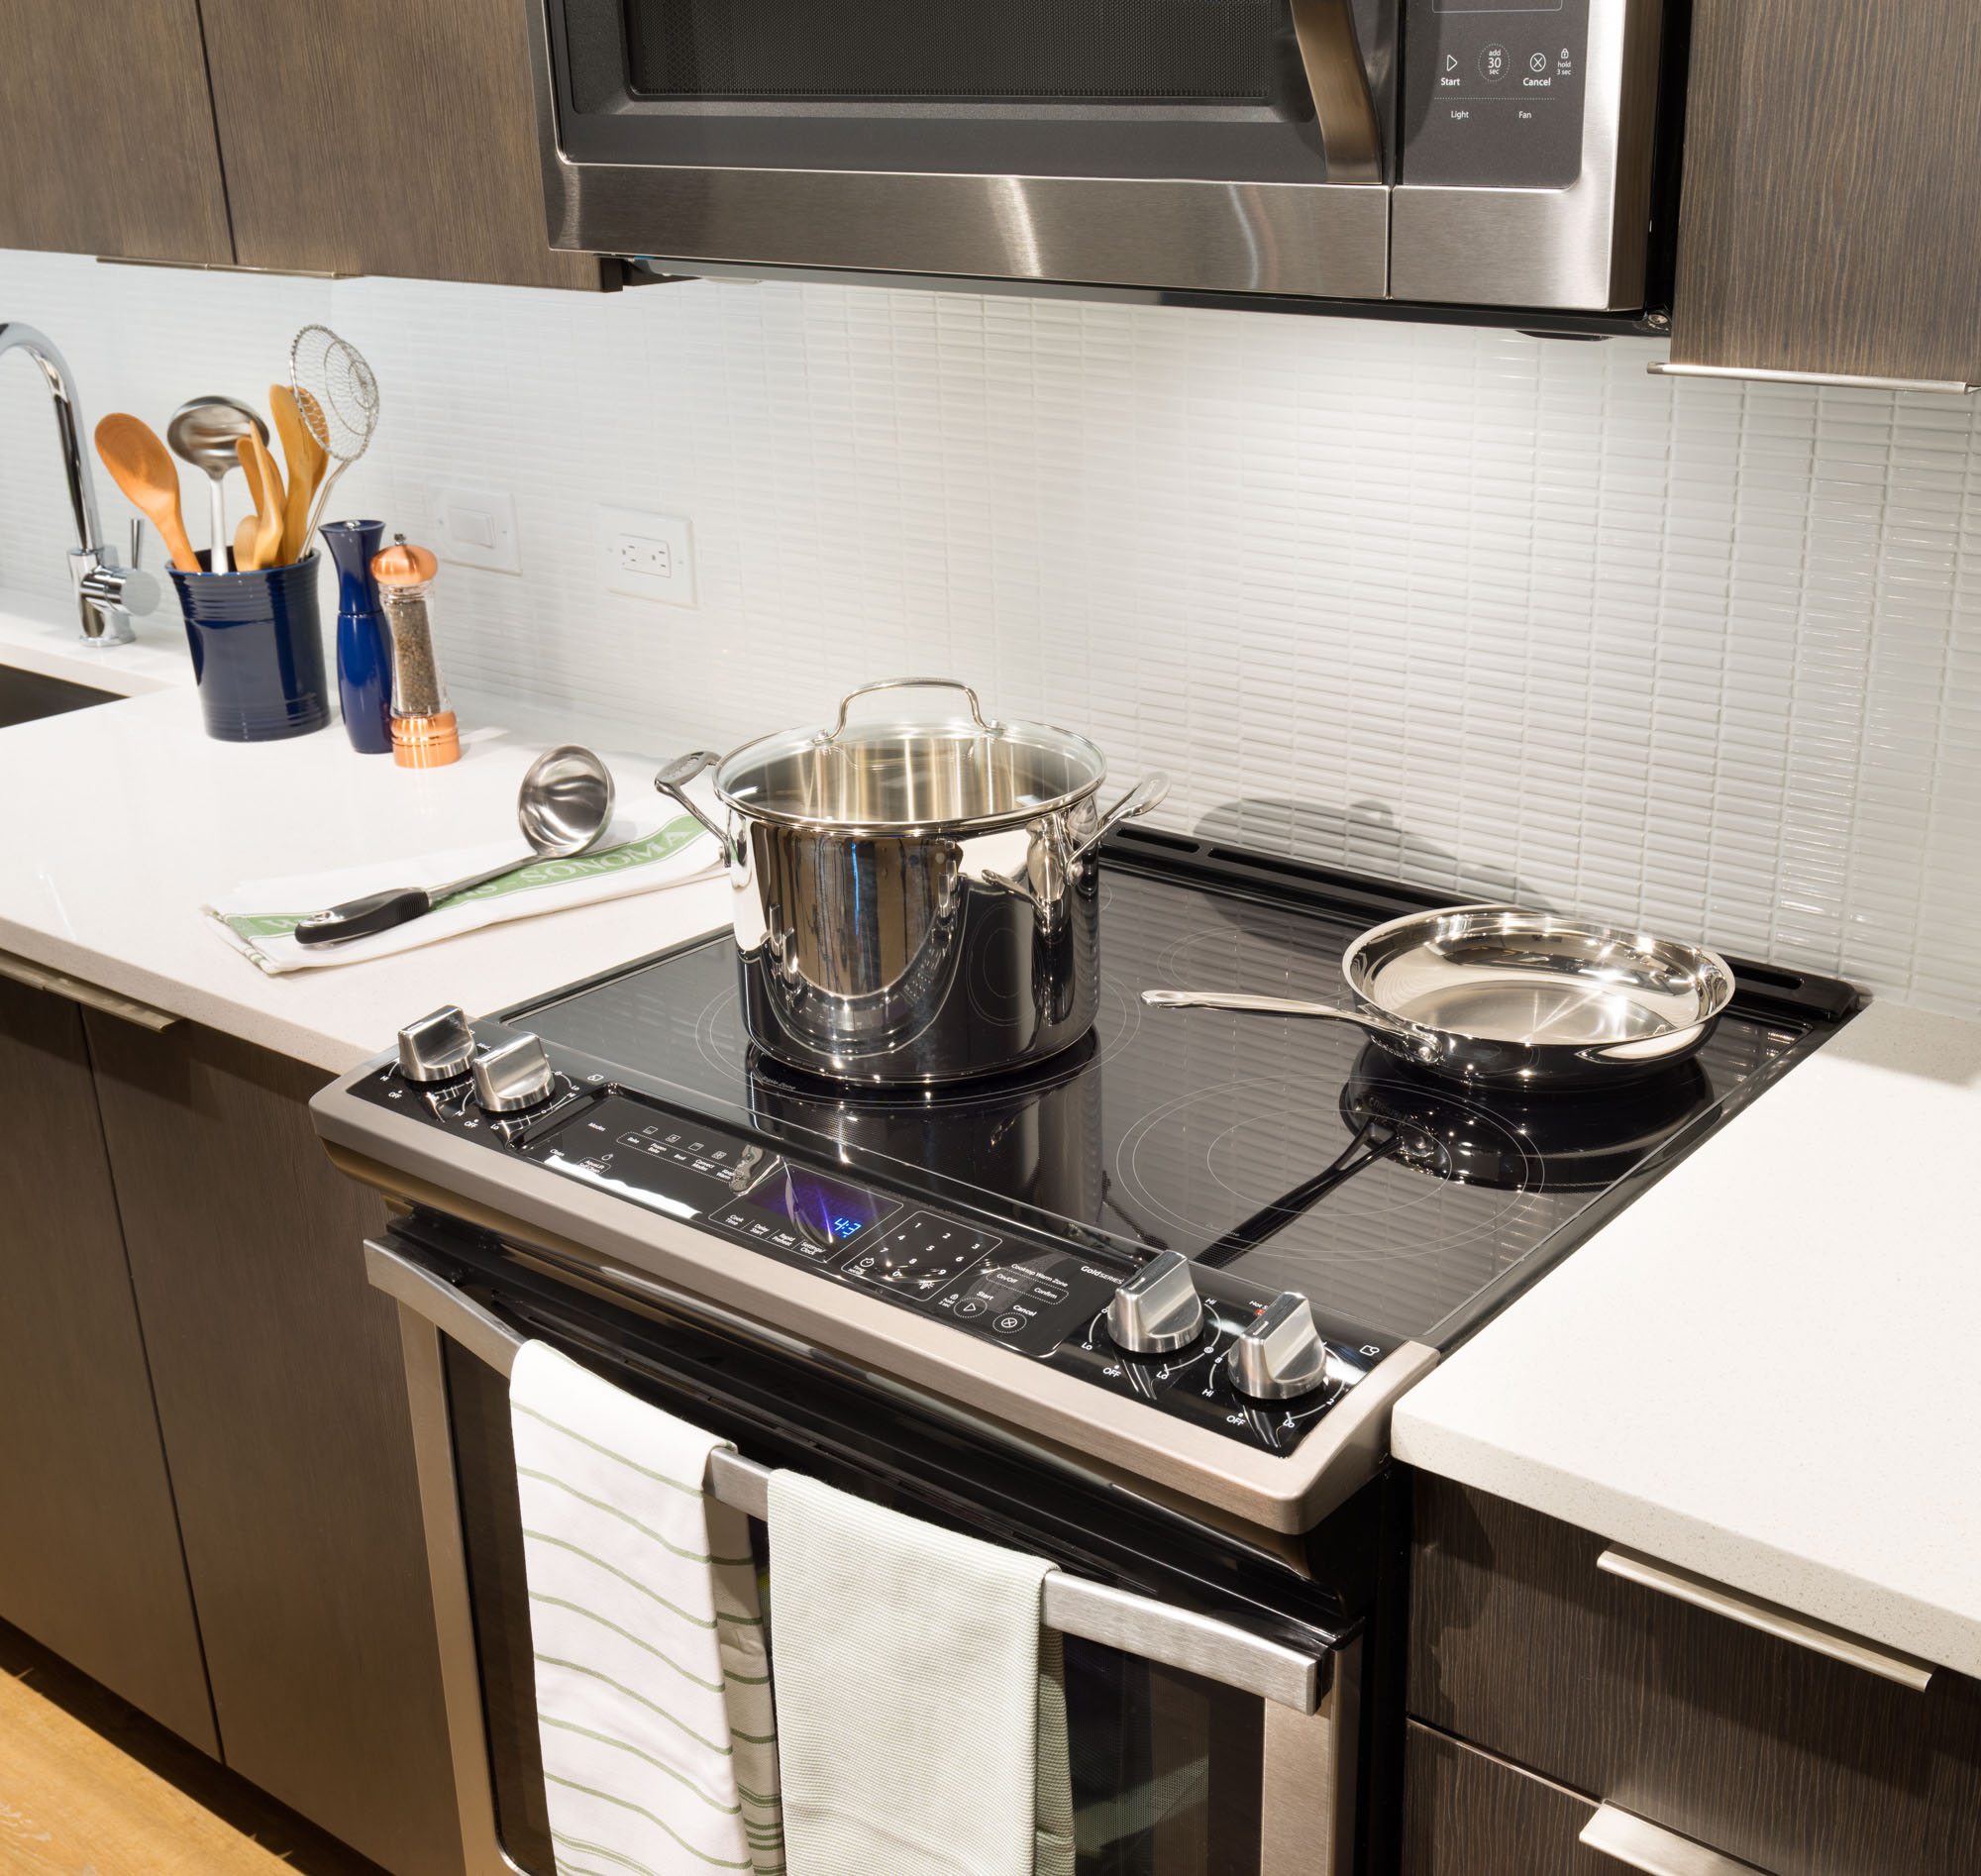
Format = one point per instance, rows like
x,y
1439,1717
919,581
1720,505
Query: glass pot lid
x,y
906,772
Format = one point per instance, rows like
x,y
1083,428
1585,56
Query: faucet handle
x,y
137,542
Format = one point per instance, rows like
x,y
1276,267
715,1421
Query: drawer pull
x,y
1769,1618
58,983
1844,380
1657,1852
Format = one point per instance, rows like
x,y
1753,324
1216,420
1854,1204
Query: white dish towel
x,y
652,1682
922,1711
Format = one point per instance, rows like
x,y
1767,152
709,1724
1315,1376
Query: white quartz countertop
x,y
1766,1371
124,818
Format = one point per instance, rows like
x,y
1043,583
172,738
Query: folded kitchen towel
x,y
653,1681
640,855
920,1720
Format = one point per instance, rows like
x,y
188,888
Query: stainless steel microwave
x,y
1507,154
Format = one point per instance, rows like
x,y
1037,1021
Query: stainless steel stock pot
x,y
915,900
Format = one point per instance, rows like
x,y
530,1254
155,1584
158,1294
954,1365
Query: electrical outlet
x,y
646,557
476,527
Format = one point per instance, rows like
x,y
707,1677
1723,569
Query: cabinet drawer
x,y
1467,1814
1781,1757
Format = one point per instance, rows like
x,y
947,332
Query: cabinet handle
x,y
1849,380
59,984
1655,1850
1769,1618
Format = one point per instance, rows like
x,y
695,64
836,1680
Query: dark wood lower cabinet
x,y
280,1393
1466,1814
1777,1756
89,1545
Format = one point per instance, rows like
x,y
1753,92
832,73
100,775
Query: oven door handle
x,y
1074,1605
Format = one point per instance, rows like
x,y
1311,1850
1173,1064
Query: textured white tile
x,y
1495,614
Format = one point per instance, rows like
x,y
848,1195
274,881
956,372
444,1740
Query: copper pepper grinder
x,y
423,729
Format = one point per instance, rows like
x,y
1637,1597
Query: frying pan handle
x,y
910,683
1248,1005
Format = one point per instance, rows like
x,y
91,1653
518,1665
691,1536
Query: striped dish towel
x,y
652,1679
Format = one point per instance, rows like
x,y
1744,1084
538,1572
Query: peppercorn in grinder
x,y
423,728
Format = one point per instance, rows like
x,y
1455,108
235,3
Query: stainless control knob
x,y
437,1048
514,1076
1281,1354
1157,1308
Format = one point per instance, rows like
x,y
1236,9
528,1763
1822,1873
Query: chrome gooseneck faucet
x,y
106,594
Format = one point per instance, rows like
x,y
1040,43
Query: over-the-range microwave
x,y
1512,156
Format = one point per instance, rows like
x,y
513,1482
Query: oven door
x,y
1213,1731
1222,146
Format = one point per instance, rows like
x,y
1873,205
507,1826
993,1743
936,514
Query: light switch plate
x,y
476,527
646,557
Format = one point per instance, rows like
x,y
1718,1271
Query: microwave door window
x,y
946,51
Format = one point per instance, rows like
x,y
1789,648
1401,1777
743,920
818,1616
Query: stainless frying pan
x,y
1501,998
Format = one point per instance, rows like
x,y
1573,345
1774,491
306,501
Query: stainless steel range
x,y
1143,1308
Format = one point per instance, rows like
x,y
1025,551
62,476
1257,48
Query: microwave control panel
x,y
1494,93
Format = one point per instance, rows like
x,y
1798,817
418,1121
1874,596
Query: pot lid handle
x,y
910,683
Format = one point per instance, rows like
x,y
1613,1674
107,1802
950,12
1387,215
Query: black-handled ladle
x,y
564,805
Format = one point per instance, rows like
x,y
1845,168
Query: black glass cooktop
x,y
1291,1152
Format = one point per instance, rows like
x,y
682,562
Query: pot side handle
x,y
672,780
1149,793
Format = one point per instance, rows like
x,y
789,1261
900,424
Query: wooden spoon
x,y
142,467
306,458
244,535
266,479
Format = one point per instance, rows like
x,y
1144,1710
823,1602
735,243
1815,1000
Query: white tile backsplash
x,y
1498,614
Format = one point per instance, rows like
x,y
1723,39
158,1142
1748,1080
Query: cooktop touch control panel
x,y
1000,1285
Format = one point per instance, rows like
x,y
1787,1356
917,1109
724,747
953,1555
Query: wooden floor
x,y
91,1787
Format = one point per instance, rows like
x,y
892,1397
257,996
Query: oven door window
x,y
1166,1767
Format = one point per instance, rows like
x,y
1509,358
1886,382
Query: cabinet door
x,y
1832,213
89,1545
283,1405
90,1560
106,134
392,137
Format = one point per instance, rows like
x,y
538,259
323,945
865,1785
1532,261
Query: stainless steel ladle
x,y
204,431
563,806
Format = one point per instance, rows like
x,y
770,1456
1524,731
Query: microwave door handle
x,y
1075,1606
1324,31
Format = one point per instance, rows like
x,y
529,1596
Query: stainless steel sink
x,y
27,694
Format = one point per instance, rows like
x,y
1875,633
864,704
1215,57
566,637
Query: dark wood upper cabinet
x,y
1832,213
106,132
394,137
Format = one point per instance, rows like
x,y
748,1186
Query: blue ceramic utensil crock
x,y
363,642
257,650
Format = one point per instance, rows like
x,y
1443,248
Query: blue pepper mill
x,y
363,642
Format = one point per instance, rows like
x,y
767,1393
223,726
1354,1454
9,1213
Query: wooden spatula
x,y
266,481
245,537
142,467
306,458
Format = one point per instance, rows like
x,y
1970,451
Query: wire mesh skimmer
x,y
339,400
